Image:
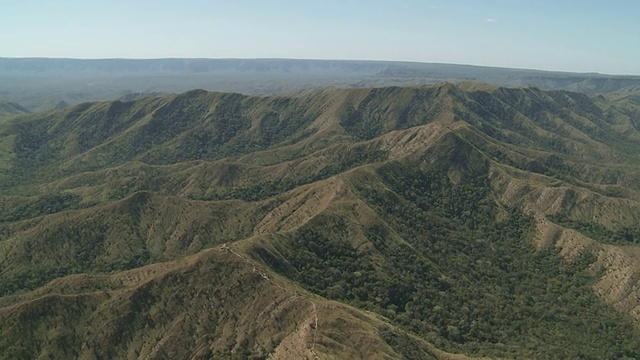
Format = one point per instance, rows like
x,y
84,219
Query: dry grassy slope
x,y
617,268
544,195
217,302
307,201
303,204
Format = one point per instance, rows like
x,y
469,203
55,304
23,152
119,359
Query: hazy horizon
x,y
592,37
315,59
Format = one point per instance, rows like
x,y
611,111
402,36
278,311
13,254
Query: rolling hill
x,y
444,221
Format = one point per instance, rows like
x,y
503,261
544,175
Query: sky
x,y
561,35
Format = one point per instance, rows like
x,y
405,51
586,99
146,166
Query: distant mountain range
x,y
43,83
447,221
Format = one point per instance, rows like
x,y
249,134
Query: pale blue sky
x,y
567,35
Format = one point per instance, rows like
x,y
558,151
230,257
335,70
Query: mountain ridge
x,y
437,217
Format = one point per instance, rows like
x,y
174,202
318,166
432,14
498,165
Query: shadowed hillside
x,y
438,221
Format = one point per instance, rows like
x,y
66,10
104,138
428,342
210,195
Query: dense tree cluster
x,y
460,274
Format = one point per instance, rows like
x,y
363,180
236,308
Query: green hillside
x,y
9,109
446,221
